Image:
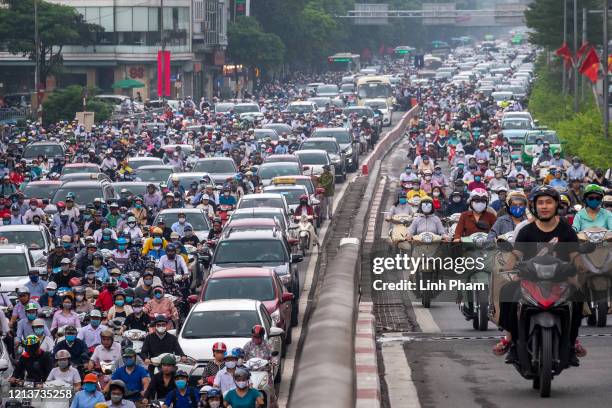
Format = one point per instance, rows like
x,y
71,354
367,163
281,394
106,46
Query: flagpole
x,y
575,49
563,73
584,40
606,108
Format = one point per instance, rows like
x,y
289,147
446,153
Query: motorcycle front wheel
x,y
546,356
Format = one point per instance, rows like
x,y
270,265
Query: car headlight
x,y
276,317
349,151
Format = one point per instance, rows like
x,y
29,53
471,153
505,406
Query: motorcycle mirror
x,y
192,299
287,297
275,353
505,246
586,248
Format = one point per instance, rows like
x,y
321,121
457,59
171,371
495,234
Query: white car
x,y
194,216
36,238
264,200
314,160
381,104
248,111
229,321
16,261
291,193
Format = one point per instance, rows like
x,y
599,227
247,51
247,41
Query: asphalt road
x,y
433,357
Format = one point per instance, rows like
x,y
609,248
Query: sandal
x,y
579,349
502,347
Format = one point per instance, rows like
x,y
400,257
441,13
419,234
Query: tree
x,y
319,34
251,46
59,25
64,103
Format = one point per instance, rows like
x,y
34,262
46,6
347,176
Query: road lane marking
x,y
398,375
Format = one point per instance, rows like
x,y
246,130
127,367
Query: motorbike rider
x,y
50,297
258,346
160,342
67,273
117,391
148,245
502,194
215,232
304,207
210,398
216,364
160,305
75,347
224,379
427,221
137,320
242,393
182,396
119,308
19,309
33,364
107,350
89,396
476,218
577,170
516,204
64,371
135,376
593,214
144,288
161,382
90,334
66,315
105,299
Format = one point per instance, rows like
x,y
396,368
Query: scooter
x,y
263,377
598,279
305,232
499,275
224,212
426,245
399,231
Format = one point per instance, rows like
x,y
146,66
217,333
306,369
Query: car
x,y
262,248
185,148
36,238
248,111
381,104
519,114
322,102
267,171
156,173
313,161
276,214
313,192
117,100
71,168
302,107
137,162
84,176
349,146
194,216
347,89
229,321
186,178
329,90
49,149
260,284
135,188
312,87
85,192
16,261
501,96
332,148
224,107
515,129
550,136
219,168
258,200
291,193
261,134
360,111
280,128
41,189
283,158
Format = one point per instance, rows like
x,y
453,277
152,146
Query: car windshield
x,y
359,112
341,137
272,216
326,89
246,108
215,166
260,202
347,88
329,147
49,150
39,190
197,220
13,265
376,105
313,158
519,124
80,169
281,158
260,288
300,109
262,135
186,180
250,251
288,169
83,195
153,174
220,323
223,107
133,189
374,90
321,102
135,163
546,137
292,196
31,239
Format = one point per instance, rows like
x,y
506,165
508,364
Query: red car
x,y
253,283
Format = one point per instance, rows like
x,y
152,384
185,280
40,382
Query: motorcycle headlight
x,y
427,238
276,317
264,382
596,237
545,271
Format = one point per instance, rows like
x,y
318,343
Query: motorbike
x,y
304,232
263,379
426,244
399,231
598,279
499,275
224,212
137,338
474,303
451,222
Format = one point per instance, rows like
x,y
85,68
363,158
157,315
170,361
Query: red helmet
x,y
304,197
61,204
258,331
219,346
33,202
74,282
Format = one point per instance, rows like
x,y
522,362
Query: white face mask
x,y
436,194
214,404
160,329
479,207
426,208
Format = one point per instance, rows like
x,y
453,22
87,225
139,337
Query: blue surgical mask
x,y
34,278
129,361
519,167
593,203
477,178
180,384
402,201
89,387
128,299
158,295
70,337
67,246
51,292
119,302
31,316
122,247
106,238
517,211
39,331
94,323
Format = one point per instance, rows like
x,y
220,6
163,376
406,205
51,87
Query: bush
x,y
582,132
64,103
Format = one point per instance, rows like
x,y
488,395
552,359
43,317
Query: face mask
x,y
438,172
408,171
593,203
158,295
477,178
242,384
67,305
67,246
51,293
89,387
214,404
39,331
479,207
138,206
137,309
436,194
456,199
161,329
170,256
63,364
517,211
119,303
576,165
33,207
31,316
132,224
129,361
428,178
148,282
180,384
402,201
94,323
182,220
106,238
70,337
519,168
122,247
34,278
116,398
230,364
426,208
157,247
128,299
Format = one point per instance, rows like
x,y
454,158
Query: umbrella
x,y
128,84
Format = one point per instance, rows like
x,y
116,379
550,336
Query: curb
x,y
366,366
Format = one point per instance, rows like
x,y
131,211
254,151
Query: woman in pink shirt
x,y
66,315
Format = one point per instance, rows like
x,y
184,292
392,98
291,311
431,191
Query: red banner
x,y
160,87
163,73
590,65
167,72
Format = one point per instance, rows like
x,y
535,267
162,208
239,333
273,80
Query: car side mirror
x,y
295,258
287,297
192,299
276,331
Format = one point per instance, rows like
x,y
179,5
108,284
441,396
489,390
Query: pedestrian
x,y
327,181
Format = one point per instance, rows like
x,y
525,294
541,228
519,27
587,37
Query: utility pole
x,y
606,108
563,73
36,48
575,49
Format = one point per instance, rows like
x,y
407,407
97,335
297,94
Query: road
x,y
433,357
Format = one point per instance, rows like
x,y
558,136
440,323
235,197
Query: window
x,y
153,19
140,19
107,19
123,16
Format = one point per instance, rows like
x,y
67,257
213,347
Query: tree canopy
x,y
250,45
64,103
59,25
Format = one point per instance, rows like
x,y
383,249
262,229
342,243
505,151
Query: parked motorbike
x,y
426,244
598,279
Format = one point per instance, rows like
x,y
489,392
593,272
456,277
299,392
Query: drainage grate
x,y
392,317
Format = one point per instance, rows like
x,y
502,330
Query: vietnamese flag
x,y
590,66
564,52
583,49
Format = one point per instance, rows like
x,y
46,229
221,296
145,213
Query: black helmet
x,y
126,343
541,192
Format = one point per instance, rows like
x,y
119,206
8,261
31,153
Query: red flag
x,y
160,70
167,73
590,66
583,49
564,52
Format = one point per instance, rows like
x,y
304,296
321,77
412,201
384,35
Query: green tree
x,y
59,25
64,103
251,46
319,30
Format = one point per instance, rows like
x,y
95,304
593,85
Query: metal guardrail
x,y
7,114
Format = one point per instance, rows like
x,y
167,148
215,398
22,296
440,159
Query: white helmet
x,y
478,193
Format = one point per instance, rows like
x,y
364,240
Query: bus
x,y
440,48
374,87
403,51
344,62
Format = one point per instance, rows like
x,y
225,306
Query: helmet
x,y
126,343
213,393
565,200
593,189
98,254
157,241
170,247
304,198
31,306
242,373
478,193
31,340
118,292
258,331
112,282
515,195
107,231
238,352
62,354
117,384
168,359
61,204
607,199
157,231
122,241
219,346
541,192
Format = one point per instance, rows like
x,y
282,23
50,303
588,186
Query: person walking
x,y
328,183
